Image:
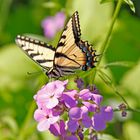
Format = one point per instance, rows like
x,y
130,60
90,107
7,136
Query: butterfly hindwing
x,y
39,51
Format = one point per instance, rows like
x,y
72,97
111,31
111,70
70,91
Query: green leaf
x,y
131,4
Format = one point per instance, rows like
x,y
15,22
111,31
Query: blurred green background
x,y
17,87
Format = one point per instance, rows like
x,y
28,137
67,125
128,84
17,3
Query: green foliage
x,y
119,68
131,4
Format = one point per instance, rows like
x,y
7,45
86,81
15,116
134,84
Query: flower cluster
x,y
81,109
52,24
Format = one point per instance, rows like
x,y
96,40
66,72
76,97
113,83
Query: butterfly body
x,y
70,55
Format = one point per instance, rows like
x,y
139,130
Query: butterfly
x,y
71,53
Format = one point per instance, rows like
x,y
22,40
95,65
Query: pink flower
x,y
51,24
48,96
45,119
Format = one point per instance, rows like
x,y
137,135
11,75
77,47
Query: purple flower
x,y
85,94
48,96
93,89
100,118
58,129
45,119
91,107
97,98
58,109
51,24
59,19
80,83
69,98
78,115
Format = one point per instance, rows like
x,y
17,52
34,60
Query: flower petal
x,y
43,125
98,122
86,120
80,83
53,119
59,87
72,125
75,113
85,94
49,27
97,98
107,112
91,107
62,128
52,102
58,128
69,99
59,20
55,129
39,115
50,88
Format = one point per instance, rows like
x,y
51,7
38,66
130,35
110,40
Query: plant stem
x,y
104,46
26,122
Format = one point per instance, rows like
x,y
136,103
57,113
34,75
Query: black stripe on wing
x,y
76,26
72,29
34,41
41,52
58,55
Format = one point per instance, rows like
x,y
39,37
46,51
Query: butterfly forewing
x,y
68,53
39,51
